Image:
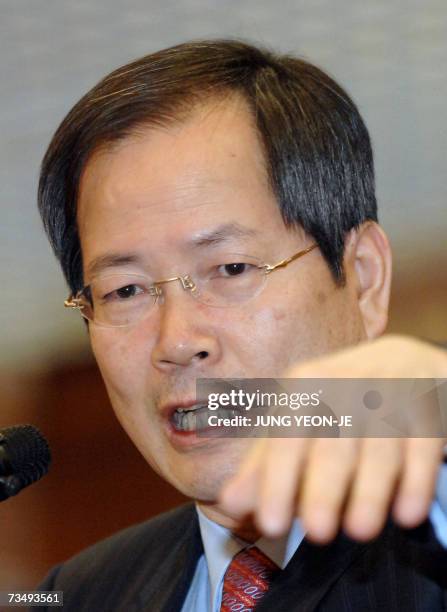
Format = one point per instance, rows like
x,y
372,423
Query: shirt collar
x,y
220,546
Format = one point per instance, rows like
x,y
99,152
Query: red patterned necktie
x,y
247,580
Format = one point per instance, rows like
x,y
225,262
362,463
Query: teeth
x,y
190,421
191,409
196,417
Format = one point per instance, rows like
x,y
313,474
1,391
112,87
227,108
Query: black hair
x,y
317,149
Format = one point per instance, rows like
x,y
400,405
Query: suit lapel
x,y
309,575
167,587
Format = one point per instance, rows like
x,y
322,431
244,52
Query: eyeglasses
x,y
119,300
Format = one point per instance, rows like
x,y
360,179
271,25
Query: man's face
x,y
161,196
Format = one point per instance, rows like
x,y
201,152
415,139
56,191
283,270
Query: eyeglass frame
x,y
73,301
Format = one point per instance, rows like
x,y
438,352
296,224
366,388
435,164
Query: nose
x,y
186,335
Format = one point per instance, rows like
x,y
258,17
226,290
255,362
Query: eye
x,y
127,291
124,293
234,269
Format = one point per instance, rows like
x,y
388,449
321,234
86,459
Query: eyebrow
x,y
111,260
223,233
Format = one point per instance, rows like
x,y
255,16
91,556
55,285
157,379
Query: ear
x,y
369,263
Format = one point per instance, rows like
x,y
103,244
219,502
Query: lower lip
x,y
190,439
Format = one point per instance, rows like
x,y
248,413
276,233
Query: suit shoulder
x,y
148,540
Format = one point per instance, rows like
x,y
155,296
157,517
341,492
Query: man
x,y
164,192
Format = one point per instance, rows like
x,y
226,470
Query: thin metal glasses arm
x,y
285,262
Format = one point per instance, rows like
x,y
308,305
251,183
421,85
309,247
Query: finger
x,y
418,482
239,494
328,475
373,487
280,478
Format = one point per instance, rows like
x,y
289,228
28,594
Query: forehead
x,y
209,145
164,185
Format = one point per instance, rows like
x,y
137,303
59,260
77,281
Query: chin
x,y
204,477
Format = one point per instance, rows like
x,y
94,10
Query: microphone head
x,y
24,458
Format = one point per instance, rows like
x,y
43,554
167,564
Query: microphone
x,y
24,458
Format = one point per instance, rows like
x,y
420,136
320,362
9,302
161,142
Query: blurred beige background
x,y
391,56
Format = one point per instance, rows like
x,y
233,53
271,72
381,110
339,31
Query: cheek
x,y
258,341
280,330
120,361
304,322
124,373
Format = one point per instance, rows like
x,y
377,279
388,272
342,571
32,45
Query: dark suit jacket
x,y
149,568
